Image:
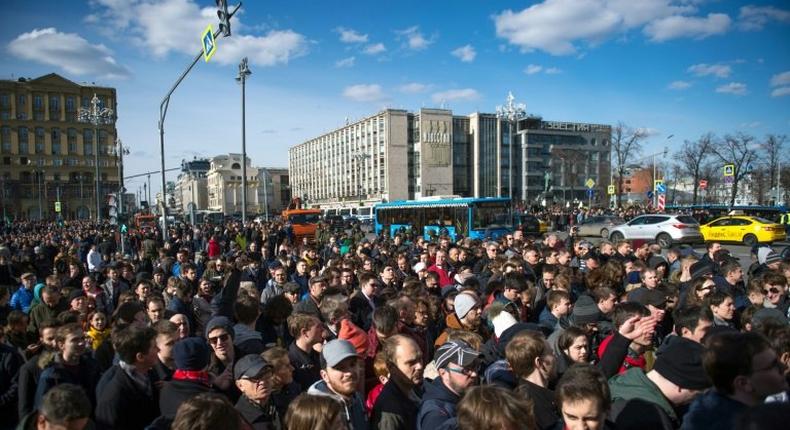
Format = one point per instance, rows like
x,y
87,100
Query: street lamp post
x,y
96,115
511,112
244,71
359,157
120,152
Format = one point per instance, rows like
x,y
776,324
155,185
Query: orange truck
x,y
303,221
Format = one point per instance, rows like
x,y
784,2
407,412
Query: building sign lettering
x,y
574,126
436,132
436,143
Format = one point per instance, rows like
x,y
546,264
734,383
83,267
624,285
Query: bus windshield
x,y
303,218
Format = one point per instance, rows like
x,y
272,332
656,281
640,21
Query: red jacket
x,y
630,361
213,249
444,276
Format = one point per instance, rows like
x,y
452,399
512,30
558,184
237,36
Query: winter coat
x,y
437,408
394,410
85,374
10,362
259,417
712,410
638,403
175,392
122,403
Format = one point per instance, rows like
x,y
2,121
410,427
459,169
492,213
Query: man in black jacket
x,y
126,395
191,356
397,406
362,303
10,362
30,372
255,379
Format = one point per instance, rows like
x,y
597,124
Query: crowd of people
x,y
247,327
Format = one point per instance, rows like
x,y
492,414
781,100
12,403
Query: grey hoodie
x,y
353,410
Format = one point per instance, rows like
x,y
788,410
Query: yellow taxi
x,y
749,230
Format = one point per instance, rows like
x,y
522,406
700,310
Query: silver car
x,y
599,226
665,229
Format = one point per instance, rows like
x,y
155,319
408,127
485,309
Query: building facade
x,y
400,155
275,190
224,185
47,155
191,188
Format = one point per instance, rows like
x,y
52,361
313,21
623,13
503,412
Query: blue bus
x,y
477,218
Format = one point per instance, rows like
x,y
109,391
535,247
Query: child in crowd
x,y
98,331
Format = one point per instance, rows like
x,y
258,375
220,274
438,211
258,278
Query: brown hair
x,y
555,297
308,412
298,322
583,382
729,355
206,411
380,365
489,407
522,351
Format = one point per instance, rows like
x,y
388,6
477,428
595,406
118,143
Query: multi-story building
x,y
275,190
224,185
398,155
191,189
47,155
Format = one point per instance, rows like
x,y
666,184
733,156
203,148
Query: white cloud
x,y
348,35
374,49
780,92
780,79
674,27
754,18
553,71
364,93
414,88
165,26
679,85
67,50
717,70
465,53
414,38
558,26
533,69
735,88
345,62
465,94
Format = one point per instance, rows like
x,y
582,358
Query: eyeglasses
x,y
221,338
772,291
466,371
263,379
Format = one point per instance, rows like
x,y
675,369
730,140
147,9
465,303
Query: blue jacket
x,y
712,410
21,300
437,409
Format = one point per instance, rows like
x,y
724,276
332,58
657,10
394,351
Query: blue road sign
x,y
649,194
661,188
590,193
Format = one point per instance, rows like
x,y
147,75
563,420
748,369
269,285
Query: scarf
x,y
192,375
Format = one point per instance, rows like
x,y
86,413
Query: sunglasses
x,y
218,339
772,291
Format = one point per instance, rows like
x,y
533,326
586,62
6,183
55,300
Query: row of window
x,y
38,106
55,139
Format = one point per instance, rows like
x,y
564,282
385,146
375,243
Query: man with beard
x,y
339,380
457,364
397,406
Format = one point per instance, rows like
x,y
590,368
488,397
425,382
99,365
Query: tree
x,y
773,148
739,151
626,144
692,158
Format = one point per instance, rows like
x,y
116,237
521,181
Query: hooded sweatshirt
x,y
353,410
437,409
638,403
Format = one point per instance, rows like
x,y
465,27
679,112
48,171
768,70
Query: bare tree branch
x,y
626,145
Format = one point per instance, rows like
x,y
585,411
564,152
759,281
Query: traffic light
x,y
224,17
112,208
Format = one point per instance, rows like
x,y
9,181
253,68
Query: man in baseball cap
x,y
255,379
340,375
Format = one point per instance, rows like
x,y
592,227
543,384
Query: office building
x,y
399,155
275,190
47,155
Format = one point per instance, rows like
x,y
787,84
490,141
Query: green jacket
x,y
634,385
41,312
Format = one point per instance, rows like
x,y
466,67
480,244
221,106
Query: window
x,y
22,135
39,140
54,108
71,111
7,161
55,134
102,137
72,140
5,101
57,162
87,141
38,102
5,137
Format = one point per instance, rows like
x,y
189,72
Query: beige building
x,y
224,185
46,153
191,187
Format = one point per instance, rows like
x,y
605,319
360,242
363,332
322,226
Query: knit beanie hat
x,y
681,364
772,257
221,322
500,319
463,304
762,253
585,311
191,353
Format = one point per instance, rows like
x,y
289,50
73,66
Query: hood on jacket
x,y
244,333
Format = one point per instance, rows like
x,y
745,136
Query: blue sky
x,y
675,67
